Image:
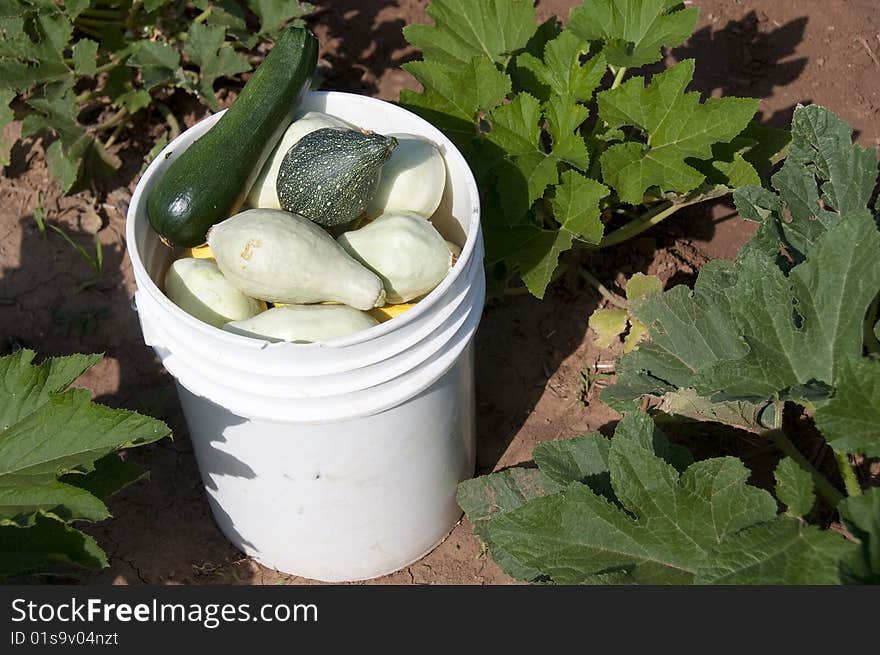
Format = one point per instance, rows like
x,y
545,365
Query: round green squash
x,y
330,175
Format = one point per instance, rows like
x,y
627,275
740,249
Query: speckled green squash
x,y
330,175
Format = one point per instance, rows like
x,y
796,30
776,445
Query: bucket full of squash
x,y
309,270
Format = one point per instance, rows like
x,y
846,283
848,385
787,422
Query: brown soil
x,y
530,354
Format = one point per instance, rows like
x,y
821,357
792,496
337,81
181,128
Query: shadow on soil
x,y
54,303
520,345
748,57
364,42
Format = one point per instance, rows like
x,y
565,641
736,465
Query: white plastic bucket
x,y
336,460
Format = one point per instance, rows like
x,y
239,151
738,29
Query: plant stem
x,y
639,225
657,214
618,77
115,135
113,121
110,65
850,481
117,59
609,295
202,17
135,5
170,119
85,96
106,156
824,488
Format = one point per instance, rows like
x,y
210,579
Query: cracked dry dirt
x,y
530,353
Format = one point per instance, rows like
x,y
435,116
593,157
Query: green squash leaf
x,y
581,459
526,170
85,53
111,474
608,324
783,551
861,515
32,45
849,420
453,99
664,531
561,72
794,487
576,206
491,495
49,546
275,14
74,8
677,126
822,164
463,29
24,387
21,499
57,462
564,118
634,31
215,58
538,256
748,331
158,63
519,100
766,326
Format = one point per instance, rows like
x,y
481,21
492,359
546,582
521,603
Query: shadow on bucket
x,y
214,462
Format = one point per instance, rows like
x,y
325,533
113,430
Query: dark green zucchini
x,y
210,180
330,175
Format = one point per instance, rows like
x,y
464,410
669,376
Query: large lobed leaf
x,y
561,72
454,98
799,329
464,29
275,14
783,551
677,127
215,58
850,420
32,43
825,178
634,31
635,509
57,461
486,497
786,320
464,74
663,532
